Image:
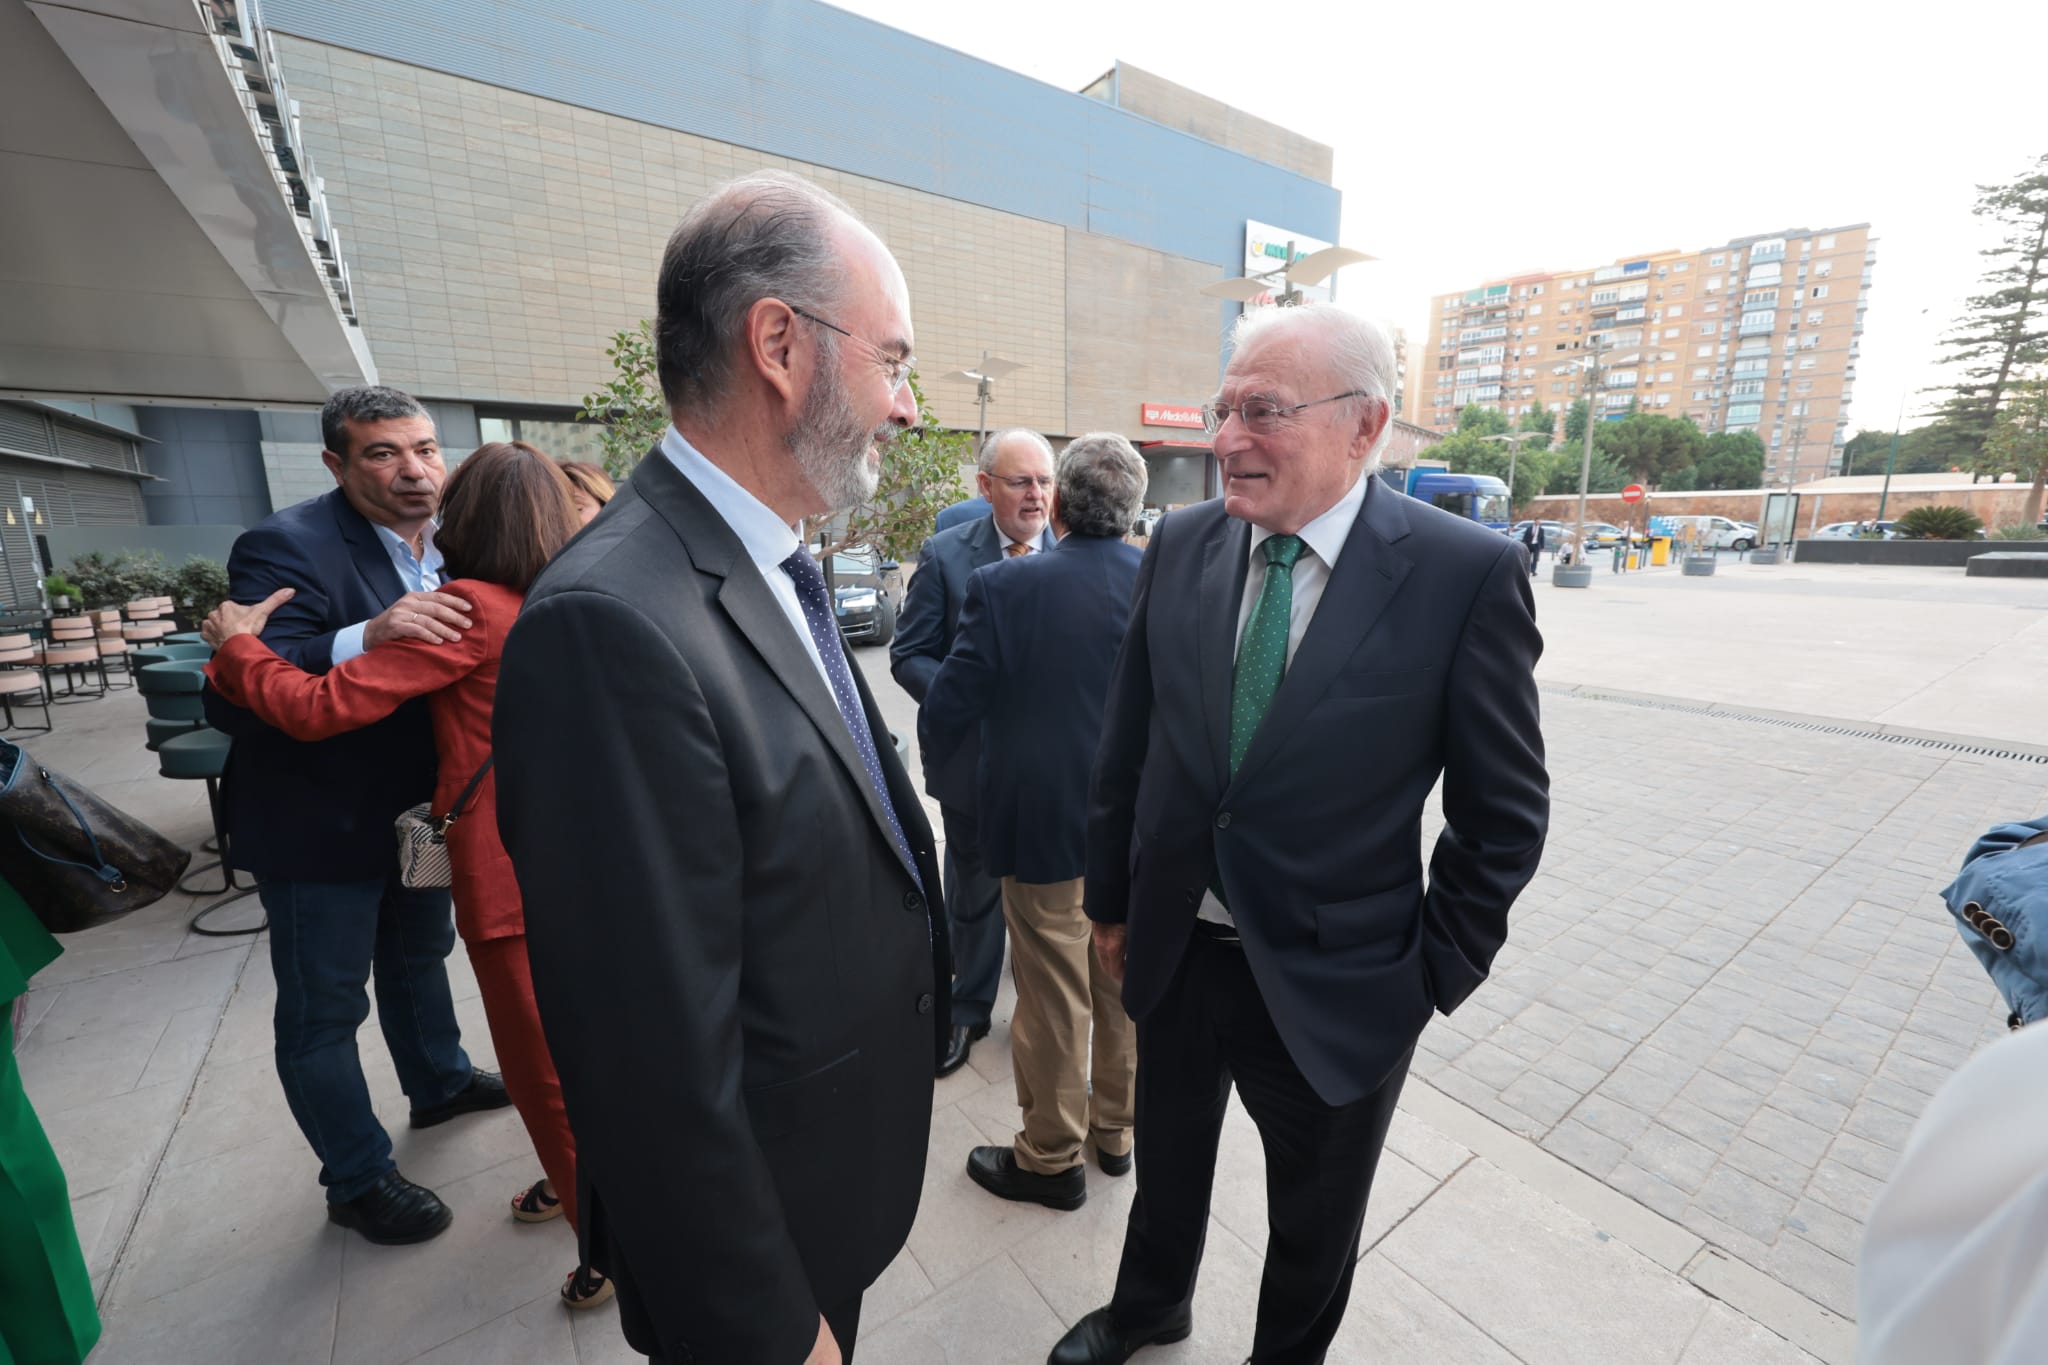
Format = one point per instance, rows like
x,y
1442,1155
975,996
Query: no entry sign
x,y
1632,493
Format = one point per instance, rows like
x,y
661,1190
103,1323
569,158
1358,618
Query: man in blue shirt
x,y
313,822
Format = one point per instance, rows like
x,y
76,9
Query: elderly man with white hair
x,y
1306,658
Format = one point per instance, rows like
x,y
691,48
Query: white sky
x,y
1764,116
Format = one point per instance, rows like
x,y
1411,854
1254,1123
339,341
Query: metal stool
x,y
202,754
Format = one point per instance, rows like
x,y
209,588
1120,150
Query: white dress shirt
x,y
1322,540
418,574
764,536
1042,543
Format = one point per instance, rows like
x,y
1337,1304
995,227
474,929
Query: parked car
x,y
1602,533
1554,532
864,597
1724,534
1849,530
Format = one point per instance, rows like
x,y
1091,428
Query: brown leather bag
x,y
76,860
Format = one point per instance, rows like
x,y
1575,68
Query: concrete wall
x,y
1138,331
209,467
1997,504
1176,106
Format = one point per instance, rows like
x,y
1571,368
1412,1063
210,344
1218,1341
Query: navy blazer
x,y
320,811
924,634
966,510
1029,674
1418,664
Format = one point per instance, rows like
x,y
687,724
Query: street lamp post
x,y
1892,458
1579,574
1515,440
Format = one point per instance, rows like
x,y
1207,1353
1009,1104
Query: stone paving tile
x,y
1746,979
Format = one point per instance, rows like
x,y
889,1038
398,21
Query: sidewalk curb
x,y
1708,1268
1835,725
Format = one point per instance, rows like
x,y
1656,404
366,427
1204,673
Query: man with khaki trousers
x,y
1030,667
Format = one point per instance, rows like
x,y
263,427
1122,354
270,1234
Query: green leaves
x,y
1938,523
921,473
630,404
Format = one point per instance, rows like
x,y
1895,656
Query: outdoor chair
x,y
20,680
73,647
172,692
202,755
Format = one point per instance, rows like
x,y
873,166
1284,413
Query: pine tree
x,y
2006,327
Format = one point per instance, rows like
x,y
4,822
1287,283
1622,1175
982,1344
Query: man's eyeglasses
x,y
898,368
1262,416
1025,482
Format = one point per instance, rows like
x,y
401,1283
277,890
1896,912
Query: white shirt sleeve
x,y
348,643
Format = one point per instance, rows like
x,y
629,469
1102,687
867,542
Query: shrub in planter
x,y
2021,532
62,591
97,579
199,585
1939,523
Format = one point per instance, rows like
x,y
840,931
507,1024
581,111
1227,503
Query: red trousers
x,y
506,983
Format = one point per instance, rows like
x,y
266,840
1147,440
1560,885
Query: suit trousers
x,y
1068,1011
505,981
1212,1027
973,903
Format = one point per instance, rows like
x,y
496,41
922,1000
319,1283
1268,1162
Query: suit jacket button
x,y
924,1003
1223,820
913,900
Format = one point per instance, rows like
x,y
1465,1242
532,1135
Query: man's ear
x,y
770,346
335,463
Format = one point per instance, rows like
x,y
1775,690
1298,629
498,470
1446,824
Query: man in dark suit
x,y
1532,541
967,509
1028,674
724,865
1306,658
313,822
1015,475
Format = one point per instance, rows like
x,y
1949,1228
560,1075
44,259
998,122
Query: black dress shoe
x,y
393,1212
1113,1164
964,1037
995,1169
486,1090
1094,1340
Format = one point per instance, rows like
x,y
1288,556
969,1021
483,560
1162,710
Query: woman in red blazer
x,y
504,513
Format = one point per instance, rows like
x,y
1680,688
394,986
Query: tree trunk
x,y
2034,495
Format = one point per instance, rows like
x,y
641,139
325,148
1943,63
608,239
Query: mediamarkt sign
x,y
1265,248
1167,415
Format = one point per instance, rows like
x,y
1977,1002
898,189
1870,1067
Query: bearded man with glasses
x,y
1306,658
1015,475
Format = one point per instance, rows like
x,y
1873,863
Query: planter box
x,y
2009,564
1932,554
1699,566
1571,576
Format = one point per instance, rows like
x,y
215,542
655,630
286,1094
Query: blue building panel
x,y
802,80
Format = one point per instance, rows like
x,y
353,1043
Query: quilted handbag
x,y
423,838
76,860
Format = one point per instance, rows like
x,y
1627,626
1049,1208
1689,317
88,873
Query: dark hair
x,y
768,235
595,483
504,513
363,403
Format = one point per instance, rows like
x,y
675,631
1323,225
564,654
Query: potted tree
x,y
64,595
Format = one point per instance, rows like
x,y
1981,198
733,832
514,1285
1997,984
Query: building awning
x,y
161,244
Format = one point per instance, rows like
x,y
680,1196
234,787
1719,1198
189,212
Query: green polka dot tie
x,y
1262,652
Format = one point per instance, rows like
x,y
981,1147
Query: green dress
x,y
47,1316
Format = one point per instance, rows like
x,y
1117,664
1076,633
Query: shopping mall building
x,y
217,216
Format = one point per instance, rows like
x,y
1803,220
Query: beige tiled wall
x,y
496,240
1139,331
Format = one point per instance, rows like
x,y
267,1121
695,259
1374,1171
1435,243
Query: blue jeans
x,y
325,940
974,917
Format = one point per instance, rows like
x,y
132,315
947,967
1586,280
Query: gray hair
x,y
986,461
1101,485
1356,348
766,235
363,403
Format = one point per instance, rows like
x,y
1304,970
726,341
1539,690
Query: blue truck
x,y
1475,497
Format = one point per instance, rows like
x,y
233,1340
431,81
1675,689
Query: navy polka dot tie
x,y
816,601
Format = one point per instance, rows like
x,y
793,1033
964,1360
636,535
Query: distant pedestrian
x,y
1532,541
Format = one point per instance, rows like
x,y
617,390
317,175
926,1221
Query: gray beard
x,y
831,444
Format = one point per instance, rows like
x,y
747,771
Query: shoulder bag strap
x,y
462,801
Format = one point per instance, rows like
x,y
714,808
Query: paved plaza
x,y
1652,1136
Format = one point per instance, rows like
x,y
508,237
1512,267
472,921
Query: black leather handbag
x,y
76,860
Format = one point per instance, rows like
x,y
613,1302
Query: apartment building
x,y
1758,334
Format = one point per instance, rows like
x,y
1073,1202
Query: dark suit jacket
x,y
321,811
458,679
736,971
1029,673
1418,663
924,635
965,510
